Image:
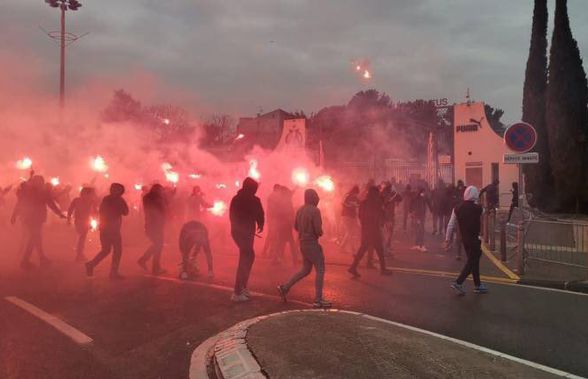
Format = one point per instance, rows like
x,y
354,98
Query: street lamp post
x,y
65,38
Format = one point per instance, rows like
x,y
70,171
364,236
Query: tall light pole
x,y
65,39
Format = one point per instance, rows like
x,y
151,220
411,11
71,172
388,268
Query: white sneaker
x,y
246,292
459,288
239,298
415,247
423,249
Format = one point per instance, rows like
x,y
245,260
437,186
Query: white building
x,y
479,151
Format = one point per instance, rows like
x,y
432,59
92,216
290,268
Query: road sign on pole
x,y
525,158
520,137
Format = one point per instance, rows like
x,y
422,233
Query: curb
x,y
232,358
572,286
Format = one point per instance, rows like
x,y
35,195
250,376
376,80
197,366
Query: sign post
x,y
521,138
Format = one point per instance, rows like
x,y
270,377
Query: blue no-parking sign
x,y
520,137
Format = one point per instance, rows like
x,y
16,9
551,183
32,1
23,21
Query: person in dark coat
x,y
349,218
33,199
466,216
418,208
155,207
492,198
407,196
391,199
515,199
371,218
246,215
193,238
82,208
112,209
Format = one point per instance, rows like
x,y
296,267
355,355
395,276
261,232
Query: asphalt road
x,y
146,327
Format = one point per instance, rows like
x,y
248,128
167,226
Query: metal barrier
x,y
533,236
561,242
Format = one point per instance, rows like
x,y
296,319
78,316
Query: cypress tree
x,y
539,181
566,113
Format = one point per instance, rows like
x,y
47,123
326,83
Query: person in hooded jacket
x,y
155,207
33,199
246,215
82,209
418,208
309,225
466,216
371,218
112,209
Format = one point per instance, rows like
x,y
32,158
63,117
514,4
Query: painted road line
x,y
499,264
225,288
71,332
447,274
478,348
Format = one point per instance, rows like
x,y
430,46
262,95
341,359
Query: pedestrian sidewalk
x,y
340,344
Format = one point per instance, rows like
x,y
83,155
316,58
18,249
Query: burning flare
x,y
93,224
219,208
54,181
300,177
138,187
253,171
367,74
98,164
24,164
325,183
170,176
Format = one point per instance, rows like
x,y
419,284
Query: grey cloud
x,y
221,49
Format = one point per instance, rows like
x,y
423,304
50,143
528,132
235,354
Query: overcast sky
x,y
239,56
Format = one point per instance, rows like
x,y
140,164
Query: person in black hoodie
x,y
466,216
371,218
155,208
33,199
82,209
515,199
245,213
112,208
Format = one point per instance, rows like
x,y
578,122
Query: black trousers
x,y
110,241
473,251
370,239
246,259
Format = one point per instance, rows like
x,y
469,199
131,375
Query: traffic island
x,y
342,344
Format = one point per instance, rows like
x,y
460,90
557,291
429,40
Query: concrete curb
x,y
232,358
573,286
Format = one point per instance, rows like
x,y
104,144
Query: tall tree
x,y
539,181
567,114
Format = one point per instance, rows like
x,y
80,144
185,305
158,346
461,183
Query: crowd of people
x,y
367,220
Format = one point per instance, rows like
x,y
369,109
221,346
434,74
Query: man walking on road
x,y
371,217
112,208
245,213
466,216
155,208
308,224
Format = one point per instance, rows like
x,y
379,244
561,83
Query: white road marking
x,y
226,289
71,332
478,348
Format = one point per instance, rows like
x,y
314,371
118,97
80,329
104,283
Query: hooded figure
x,y
245,213
33,198
112,209
82,209
309,226
467,217
371,218
155,207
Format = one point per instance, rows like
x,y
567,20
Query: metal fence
x,y
562,242
534,237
